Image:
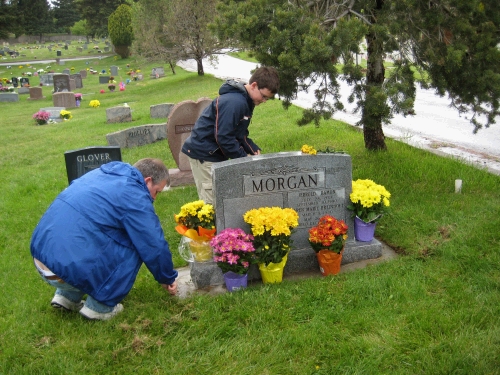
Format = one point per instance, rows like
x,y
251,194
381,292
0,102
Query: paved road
x,y
436,126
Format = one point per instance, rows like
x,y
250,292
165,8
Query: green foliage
x,y
120,29
96,13
80,28
7,19
33,17
65,14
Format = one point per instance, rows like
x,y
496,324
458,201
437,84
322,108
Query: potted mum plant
x,y
196,224
327,239
272,229
369,201
233,252
41,117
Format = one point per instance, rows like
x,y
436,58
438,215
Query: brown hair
x,y
266,77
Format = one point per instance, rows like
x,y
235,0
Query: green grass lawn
x,y
433,310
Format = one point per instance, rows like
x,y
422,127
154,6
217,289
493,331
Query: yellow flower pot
x,y
273,272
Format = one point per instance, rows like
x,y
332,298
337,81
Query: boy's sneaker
x,y
94,315
60,301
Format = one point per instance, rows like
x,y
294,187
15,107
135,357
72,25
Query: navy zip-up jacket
x,y
221,132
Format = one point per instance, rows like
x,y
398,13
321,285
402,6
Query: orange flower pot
x,y
329,262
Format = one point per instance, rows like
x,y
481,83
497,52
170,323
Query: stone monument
x,y
83,160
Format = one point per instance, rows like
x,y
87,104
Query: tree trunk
x,y
199,63
375,106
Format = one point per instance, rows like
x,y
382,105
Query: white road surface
x,y
435,127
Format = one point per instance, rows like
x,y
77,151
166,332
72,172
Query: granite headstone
x,y
81,161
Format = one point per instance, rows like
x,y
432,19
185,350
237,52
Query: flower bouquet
x,y
327,240
368,203
41,117
94,103
196,223
233,253
66,115
272,229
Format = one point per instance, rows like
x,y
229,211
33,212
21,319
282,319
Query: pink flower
x,y
102,91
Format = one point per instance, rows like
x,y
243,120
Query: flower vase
x,y
78,103
329,262
363,231
201,250
273,272
235,281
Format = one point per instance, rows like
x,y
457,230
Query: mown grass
x,y
433,310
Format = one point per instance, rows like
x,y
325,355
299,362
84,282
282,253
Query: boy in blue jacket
x,y
221,132
98,232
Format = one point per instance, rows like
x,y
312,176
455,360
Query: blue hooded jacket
x,y
98,232
221,132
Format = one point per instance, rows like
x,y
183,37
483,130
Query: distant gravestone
x,y
72,85
83,74
179,125
137,136
23,90
58,53
118,114
54,113
113,70
24,82
103,79
36,93
313,185
15,81
66,71
61,82
157,72
78,80
85,46
81,161
9,97
47,79
161,110
64,99
79,49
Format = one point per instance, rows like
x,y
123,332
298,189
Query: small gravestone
x,y
118,114
106,49
64,99
157,72
23,90
66,47
61,83
58,53
47,79
113,70
103,79
78,80
54,113
137,136
25,82
79,49
85,46
66,71
72,85
313,185
15,81
2,53
36,93
9,97
83,74
81,161
161,110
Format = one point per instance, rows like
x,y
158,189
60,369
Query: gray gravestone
x,y
114,70
83,74
313,185
137,136
81,161
64,99
103,79
78,80
9,97
54,113
24,82
66,71
118,114
61,82
161,110
23,90
157,72
47,79
36,93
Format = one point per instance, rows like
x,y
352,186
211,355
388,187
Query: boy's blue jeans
x,y
75,295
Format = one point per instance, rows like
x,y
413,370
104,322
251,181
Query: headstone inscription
x,y
313,185
137,136
61,83
83,160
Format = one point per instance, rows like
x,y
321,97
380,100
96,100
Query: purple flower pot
x,y
235,281
363,231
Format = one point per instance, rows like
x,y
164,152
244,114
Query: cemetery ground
x,y
435,309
